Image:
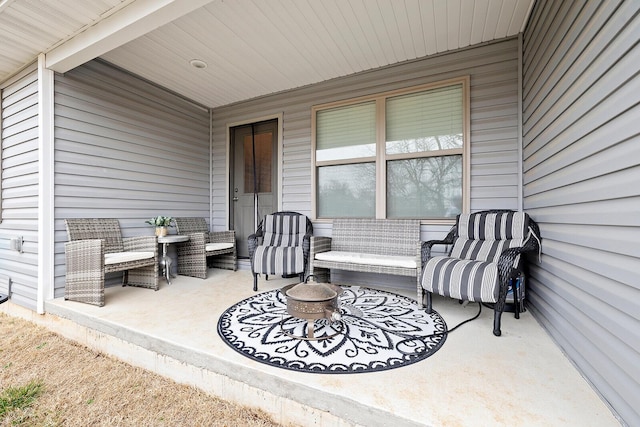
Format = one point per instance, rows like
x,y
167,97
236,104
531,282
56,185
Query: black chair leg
x,y
255,282
429,304
496,323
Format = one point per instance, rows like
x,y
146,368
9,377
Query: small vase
x,y
161,231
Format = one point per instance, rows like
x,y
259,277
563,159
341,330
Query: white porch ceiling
x,y
252,47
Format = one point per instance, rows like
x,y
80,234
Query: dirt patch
x,y
84,387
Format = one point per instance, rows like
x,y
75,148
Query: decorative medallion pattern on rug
x,y
379,330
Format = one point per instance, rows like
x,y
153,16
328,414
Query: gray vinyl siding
x,y
493,71
125,149
19,202
581,105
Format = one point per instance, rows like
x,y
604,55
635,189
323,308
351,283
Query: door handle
x,y
235,199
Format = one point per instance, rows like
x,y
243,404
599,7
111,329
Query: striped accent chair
x,y
280,246
485,256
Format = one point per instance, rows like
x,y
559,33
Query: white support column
x,y
520,129
46,228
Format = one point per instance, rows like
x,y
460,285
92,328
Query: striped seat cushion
x,y
462,279
278,260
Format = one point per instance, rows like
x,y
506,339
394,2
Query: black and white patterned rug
x,y
379,331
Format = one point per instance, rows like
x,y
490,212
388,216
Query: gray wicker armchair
x,y
96,247
485,257
280,246
202,244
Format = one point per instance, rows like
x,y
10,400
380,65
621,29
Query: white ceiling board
x,y
30,27
258,47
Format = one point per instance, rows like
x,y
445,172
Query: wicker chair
x,y
280,246
202,244
484,259
96,247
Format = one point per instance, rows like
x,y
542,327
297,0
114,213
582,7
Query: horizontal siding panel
x,y
559,24
20,137
492,146
619,212
28,122
610,75
614,293
622,268
614,239
568,64
616,185
610,147
495,192
20,110
581,171
20,159
19,186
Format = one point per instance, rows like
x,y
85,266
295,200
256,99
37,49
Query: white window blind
x,y
346,132
425,121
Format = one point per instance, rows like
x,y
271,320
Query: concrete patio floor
x,y
519,379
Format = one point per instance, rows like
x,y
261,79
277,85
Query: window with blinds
x,y
394,155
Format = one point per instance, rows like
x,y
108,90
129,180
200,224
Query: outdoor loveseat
x,y
96,247
385,246
485,257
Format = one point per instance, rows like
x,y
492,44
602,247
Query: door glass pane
x,y
428,187
347,191
347,132
424,121
263,151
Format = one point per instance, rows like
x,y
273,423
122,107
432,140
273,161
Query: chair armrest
x,y
319,244
196,240
253,241
426,246
84,256
140,244
222,236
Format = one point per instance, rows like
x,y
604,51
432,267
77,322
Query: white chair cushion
x,y
118,257
218,246
368,259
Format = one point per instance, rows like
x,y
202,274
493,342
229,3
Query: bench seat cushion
x,y
218,246
119,257
368,259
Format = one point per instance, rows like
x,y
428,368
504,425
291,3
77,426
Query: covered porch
x,y
126,112
521,378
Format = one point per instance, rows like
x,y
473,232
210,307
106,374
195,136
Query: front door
x,y
253,178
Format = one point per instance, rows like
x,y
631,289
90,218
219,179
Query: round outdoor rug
x,y
379,331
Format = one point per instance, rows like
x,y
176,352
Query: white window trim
x,y
381,159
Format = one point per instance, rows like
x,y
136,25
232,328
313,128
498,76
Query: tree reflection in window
x,y
347,191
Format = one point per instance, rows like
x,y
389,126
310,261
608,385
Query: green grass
x,y
19,397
